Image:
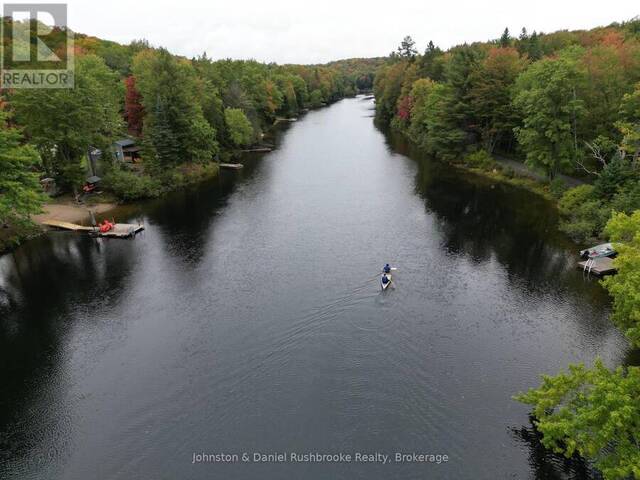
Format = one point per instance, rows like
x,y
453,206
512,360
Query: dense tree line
x,y
185,113
566,102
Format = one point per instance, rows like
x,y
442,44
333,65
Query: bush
x,y
583,214
131,186
627,200
557,187
574,198
480,159
316,99
509,172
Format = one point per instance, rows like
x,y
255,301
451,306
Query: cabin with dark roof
x,y
126,150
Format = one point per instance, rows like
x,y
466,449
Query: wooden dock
x,y
257,150
282,119
598,266
119,230
232,166
67,226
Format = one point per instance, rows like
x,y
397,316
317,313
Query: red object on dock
x,y
106,226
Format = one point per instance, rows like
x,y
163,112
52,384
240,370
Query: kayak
x,y
385,285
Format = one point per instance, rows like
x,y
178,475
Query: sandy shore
x,y
71,212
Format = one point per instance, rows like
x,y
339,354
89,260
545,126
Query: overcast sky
x,y
317,31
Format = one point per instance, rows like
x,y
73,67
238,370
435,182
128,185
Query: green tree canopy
x,y
63,123
20,192
546,97
594,413
171,95
238,126
490,95
624,231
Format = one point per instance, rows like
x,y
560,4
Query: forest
x,y
184,113
562,103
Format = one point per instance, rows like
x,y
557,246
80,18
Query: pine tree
x,y
505,39
534,49
407,48
163,138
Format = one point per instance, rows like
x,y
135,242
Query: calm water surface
x,y
248,318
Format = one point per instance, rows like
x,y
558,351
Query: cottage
x,y
126,150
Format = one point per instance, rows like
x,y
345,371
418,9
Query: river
x,y
248,318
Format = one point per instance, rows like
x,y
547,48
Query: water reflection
x,y
546,465
45,288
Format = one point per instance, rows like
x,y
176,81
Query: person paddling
x,y
387,268
385,279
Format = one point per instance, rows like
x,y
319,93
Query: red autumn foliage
x,y
613,39
133,109
404,108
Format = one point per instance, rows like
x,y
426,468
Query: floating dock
x,y
232,166
598,266
119,230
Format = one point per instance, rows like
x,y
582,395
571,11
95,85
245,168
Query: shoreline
x,y
67,211
71,212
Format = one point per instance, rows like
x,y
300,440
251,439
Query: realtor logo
x,y
37,48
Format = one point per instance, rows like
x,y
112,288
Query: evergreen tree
x,y
523,35
407,48
431,64
534,49
505,39
164,141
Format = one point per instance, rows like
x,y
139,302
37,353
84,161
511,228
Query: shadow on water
x,y
546,465
185,218
484,219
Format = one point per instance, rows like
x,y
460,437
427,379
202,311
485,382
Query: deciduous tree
x,y
624,231
546,97
238,126
133,109
20,192
594,413
64,123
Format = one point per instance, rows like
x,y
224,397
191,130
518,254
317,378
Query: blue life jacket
x,y
385,279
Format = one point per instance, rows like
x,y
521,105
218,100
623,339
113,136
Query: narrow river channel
x,y
248,318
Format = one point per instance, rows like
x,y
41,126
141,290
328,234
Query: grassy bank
x,y
506,175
